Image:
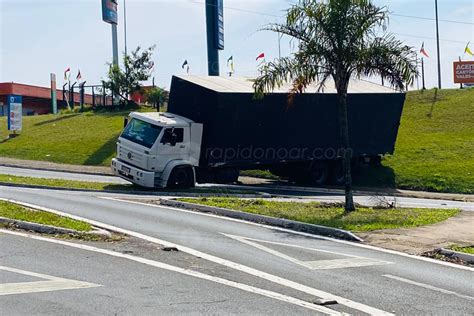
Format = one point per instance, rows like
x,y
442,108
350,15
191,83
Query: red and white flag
x,y
262,55
78,77
423,51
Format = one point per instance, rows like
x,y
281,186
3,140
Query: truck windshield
x,y
141,132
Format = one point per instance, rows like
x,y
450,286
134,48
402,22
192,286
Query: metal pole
x,y
417,76
212,51
423,73
461,82
125,24
279,45
114,45
437,44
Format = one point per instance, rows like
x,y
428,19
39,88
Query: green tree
x,y
137,66
338,40
157,96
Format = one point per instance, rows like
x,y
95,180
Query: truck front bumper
x,y
133,174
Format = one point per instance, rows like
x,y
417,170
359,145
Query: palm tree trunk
x,y
347,152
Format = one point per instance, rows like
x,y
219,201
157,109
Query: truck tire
x,y
181,177
318,173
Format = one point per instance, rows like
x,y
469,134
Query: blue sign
x,y
219,24
109,11
14,112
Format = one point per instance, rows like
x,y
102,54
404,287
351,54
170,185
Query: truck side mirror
x,y
125,121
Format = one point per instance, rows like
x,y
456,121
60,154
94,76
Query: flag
x,y
467,50
186,64
66,72
262,55
423,51
78,77
230,63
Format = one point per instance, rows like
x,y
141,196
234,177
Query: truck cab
x,y
158,150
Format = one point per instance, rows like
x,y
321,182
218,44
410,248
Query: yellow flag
x,y
468,50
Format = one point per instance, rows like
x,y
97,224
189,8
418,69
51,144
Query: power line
x,y
240,10
430,38
431,19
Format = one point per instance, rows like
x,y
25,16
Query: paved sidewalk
x,y
45,165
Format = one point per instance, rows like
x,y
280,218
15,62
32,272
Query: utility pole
x,y
437,44
125,25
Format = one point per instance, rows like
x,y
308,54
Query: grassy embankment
x,y
364,219
433,152
17,212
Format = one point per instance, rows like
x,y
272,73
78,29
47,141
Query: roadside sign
x,y
219,24
109,11
14,112
463,72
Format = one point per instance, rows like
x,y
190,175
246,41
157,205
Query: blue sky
x,y
38,37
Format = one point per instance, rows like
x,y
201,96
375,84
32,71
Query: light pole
x,y
125,25
437,44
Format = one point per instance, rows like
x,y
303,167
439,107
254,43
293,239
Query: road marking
x,y
160,265
350,243
351,262
221,261
53,284
429,287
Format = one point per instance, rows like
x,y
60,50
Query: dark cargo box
x,y
242,131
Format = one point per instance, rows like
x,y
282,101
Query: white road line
x,y
353,261
352,244
53,284
160,265
429,287
230,264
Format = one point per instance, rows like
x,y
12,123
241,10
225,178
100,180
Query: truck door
x,y
174,144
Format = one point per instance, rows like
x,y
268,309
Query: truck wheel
x,y
181,178
318,174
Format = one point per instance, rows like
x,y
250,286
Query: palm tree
x,y
338,39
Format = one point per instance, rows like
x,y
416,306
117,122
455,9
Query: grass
x,y
85,185
469,249
364,219
17,212
433,151
80,138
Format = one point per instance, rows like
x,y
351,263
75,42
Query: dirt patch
x,y
456,230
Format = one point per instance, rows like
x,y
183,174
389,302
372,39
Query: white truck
x,y
215,128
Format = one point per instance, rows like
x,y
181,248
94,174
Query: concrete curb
x,y
461,255
51,230
144,193
262,219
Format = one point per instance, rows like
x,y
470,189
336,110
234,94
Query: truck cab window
x,y
173,135
141,132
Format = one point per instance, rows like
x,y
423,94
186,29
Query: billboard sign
x,y
14,112
219,24
464,72
109,11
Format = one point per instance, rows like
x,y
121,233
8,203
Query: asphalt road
x,y
362,279
306,193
